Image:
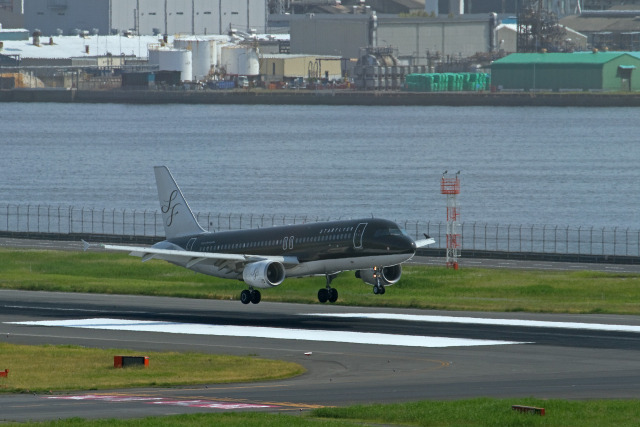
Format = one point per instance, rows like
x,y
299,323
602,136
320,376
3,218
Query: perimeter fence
x,y
509,238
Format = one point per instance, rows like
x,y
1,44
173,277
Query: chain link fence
x,y
548,239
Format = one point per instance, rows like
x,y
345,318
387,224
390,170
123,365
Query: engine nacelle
x,y
263,274
388,275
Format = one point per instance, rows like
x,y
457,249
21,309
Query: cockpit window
x,y
391,231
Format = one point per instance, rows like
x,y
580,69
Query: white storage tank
x,y
172,60
204,55
239,60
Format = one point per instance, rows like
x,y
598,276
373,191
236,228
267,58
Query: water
x,y
565,166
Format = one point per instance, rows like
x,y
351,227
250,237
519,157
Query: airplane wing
x,y
192,258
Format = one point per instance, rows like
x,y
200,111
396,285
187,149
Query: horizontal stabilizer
x,y
425,242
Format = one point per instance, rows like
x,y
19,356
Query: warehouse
x,y
144,17
287,68
608,71
413,39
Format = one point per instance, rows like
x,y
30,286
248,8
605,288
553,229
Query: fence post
x,y
615,233
473,240
520,237
579,227
485,236
626,242
70,219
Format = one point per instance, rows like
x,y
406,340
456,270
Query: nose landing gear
x,y
378,288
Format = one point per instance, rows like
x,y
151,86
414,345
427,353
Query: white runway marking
x,y
198,403
483,321
262,332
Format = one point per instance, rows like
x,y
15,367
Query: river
x,y
524,165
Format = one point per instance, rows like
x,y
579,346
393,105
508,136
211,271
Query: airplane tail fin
x,y
177,216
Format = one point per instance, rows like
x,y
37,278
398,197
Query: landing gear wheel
x,y
255,296
245,296
333,294
379,290
323,295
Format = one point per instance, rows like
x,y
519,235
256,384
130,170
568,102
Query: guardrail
x,y
507,238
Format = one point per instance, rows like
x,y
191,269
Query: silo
x,y
240,60
203,54
172,60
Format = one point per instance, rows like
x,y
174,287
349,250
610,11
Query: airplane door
x,y
190,243
357,235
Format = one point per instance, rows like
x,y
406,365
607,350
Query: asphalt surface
x,y
556,356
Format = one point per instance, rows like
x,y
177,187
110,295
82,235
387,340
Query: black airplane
x,y
262,258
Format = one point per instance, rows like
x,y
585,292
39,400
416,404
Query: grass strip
x,y
423,287
48,368
492,412
483,412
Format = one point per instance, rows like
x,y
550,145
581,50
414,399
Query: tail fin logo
x,y
170,207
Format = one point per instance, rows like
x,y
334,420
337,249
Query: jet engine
x,y
263,274
388,275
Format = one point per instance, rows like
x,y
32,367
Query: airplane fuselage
x,y
320,248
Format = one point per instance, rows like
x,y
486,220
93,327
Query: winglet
x,y
86,245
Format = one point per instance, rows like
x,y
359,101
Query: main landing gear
x,y
250,295
328,294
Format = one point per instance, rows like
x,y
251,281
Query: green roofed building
x,y
611,71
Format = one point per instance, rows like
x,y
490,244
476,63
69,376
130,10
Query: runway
x,y
352,354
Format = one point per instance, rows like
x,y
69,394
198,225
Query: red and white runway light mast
x,y
451,187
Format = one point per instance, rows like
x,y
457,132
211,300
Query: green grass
x,y
420,286
469,413
65,367
492,412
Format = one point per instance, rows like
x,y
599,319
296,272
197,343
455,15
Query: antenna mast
x,y
451,188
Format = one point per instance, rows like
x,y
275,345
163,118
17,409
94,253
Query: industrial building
x,y
586,71
616,29
144,17
290,68
413,39
507,38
